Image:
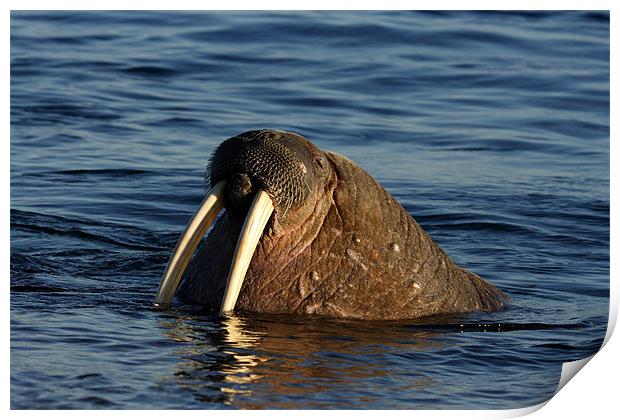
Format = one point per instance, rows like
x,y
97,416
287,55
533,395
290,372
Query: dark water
x,y
492,129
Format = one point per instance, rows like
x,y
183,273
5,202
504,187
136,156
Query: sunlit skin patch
x,y
308,232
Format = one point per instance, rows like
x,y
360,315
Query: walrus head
x,y
308,231
286,167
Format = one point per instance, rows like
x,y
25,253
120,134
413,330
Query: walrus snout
x,y
262,159
239,192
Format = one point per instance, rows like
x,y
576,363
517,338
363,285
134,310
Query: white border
x,y
311,5
592,394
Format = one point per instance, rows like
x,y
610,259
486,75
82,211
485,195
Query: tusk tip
x,y
251,232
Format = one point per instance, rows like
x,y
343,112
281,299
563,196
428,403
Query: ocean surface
x,y
492,130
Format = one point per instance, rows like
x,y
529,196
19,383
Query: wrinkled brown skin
x,y
350,251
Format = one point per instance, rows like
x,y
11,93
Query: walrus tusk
x,y
253,227
191,236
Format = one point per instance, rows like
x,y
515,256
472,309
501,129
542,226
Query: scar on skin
x,y
357,258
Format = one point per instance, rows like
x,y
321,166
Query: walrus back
x,y
407,257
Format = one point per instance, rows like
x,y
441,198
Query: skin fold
x,y
346,249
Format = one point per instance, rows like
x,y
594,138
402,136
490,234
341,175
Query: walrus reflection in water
x,y
307,231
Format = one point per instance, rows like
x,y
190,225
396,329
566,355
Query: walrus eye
x,y
320,160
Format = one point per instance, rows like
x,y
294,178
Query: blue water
x,y
492,129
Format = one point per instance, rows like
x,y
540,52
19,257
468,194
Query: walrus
x,y
306,231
